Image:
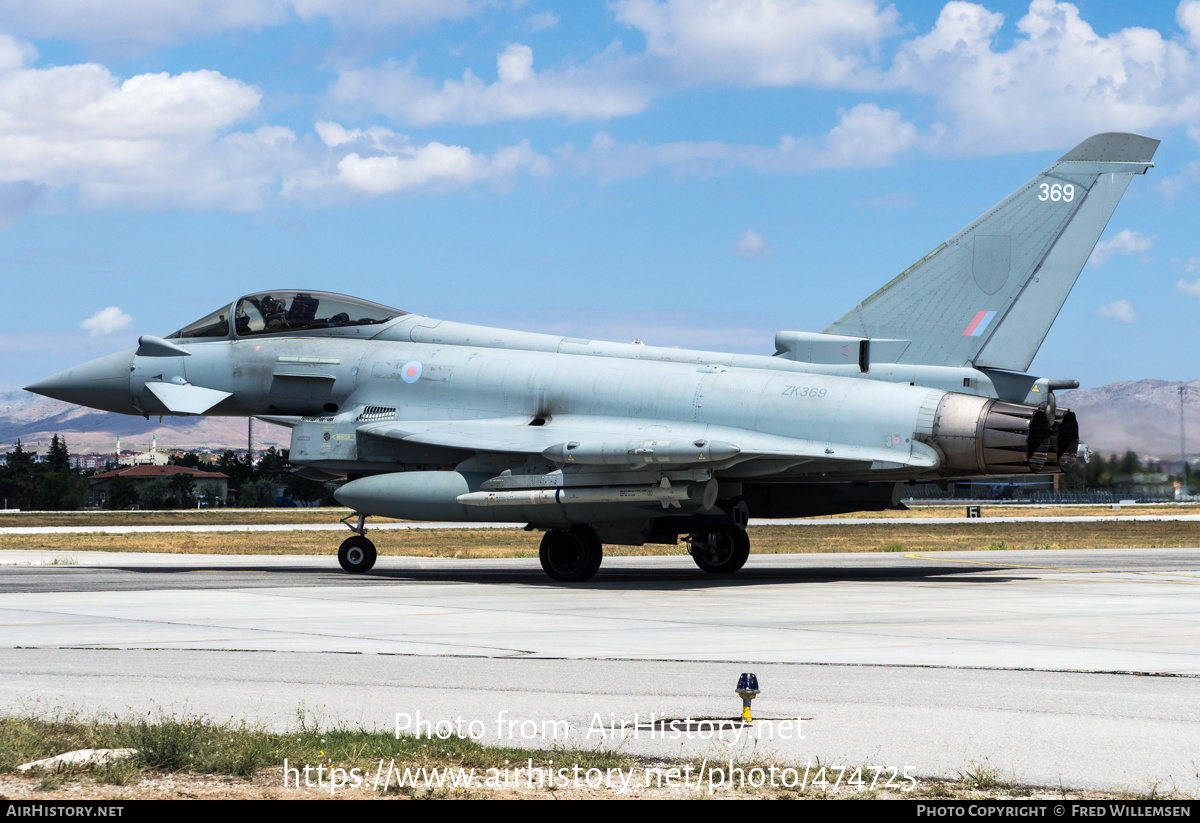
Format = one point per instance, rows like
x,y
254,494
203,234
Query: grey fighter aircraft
x,y
593,442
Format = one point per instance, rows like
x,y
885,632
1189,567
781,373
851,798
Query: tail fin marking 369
x,y
988,296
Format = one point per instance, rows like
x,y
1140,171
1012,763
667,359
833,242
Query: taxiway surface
x,y
1079,667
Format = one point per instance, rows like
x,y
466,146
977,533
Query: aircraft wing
x,y
617,441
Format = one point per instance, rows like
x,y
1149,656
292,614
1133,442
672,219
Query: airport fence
x,y
1018,495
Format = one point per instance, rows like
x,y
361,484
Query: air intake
x,y
372,413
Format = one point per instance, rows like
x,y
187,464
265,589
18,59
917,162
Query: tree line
x,y
54,485
1101,473
49,485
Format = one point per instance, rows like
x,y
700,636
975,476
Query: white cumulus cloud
x,y
1121,310
137,24
751,245
151,138
541,21
866,135
761,42
1056,81
173,141
1189,287
593,91
1185,183
106,321
435,164
688,43
379,161
1123,242
1043,81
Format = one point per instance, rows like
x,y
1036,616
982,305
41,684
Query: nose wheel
x,y
720,552
357,554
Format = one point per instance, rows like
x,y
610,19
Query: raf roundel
x,y
411,372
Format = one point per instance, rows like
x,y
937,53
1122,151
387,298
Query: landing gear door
x,y
317,439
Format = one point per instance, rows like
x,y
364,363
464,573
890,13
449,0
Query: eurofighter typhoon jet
x,y
593,442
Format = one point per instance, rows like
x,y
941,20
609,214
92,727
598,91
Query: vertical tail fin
x,y
988,296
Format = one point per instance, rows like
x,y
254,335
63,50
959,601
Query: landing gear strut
x,y
572,555
720,552
357,553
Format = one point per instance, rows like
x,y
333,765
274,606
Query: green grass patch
x,y
202,745
982,775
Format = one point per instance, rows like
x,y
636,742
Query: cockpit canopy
x,y
283,312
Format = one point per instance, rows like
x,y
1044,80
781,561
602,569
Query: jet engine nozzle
x,y
979,435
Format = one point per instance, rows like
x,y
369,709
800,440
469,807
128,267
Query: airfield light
x,y
747,689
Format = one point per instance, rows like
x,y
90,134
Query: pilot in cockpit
x,y
274,313
308,313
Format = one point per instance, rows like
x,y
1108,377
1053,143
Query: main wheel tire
x,y
357,554
572,556
720,552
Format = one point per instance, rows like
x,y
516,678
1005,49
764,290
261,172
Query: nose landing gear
x,y
357,554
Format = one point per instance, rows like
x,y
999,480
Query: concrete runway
x,y
1072,667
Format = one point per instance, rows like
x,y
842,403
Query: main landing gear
x,y
357,553
573,555
720,552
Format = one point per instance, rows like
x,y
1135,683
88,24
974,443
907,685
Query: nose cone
x,y
100,384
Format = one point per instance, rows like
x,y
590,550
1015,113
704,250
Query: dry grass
x,y
489,543
184,517
972,537
199,757
419,542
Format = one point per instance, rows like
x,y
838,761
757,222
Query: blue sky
x,y
688,172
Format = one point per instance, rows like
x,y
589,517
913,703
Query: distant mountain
x,y
31,418
1142,415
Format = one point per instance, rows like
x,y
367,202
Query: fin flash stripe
x,y
978,324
